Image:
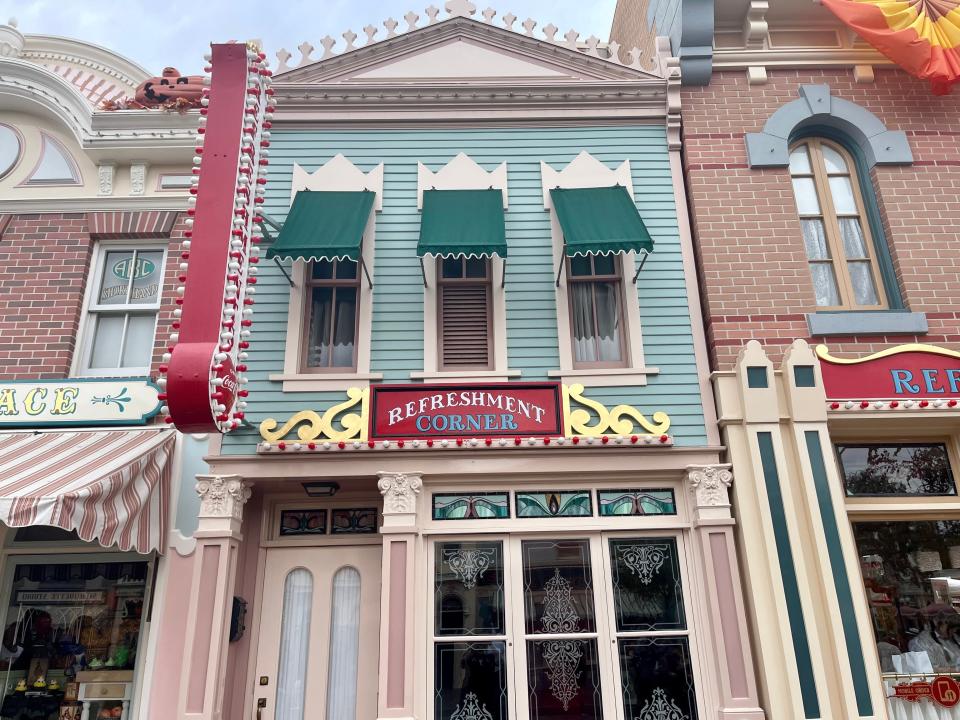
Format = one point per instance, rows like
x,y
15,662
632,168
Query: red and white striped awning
x,y
110,486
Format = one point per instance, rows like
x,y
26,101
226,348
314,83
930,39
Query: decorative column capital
x,y
710,485
222,496
399,492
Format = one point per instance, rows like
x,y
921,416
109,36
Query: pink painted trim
x,y
23,146
199,656
172,611
397,635
77,176
729,623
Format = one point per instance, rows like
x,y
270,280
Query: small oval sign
x,y
138,269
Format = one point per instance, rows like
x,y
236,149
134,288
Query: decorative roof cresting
x,y
592,46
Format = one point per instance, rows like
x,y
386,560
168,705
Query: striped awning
x,y
109,486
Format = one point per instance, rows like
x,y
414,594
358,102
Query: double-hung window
x,y
331,316
122,310
465,315
596,316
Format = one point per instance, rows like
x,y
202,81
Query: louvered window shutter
x,y
465,326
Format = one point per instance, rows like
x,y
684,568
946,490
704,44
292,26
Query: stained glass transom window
x,y
636,502
575,503
471,507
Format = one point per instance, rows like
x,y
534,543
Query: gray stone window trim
x,y
867,322
879,146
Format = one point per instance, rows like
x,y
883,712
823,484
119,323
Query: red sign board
x,y
208,348
901,373
446,411
943,690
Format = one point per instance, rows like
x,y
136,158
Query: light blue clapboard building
x,y
479,474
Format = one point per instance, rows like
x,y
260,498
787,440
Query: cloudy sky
x,y
176,32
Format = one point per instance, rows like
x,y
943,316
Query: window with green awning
x,y
324,225
599,221
462,222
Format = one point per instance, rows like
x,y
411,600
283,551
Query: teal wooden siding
x,y
397,344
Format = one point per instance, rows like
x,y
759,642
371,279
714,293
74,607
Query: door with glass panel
x,y
586,627
319,634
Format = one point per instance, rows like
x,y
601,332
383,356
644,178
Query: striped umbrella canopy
x,y
921,36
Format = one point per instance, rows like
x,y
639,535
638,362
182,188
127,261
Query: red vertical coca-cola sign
x,y
211,333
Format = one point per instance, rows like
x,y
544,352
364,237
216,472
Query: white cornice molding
x,y
24,84
84,54
177,203
741,58
581,99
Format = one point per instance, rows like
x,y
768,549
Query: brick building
x,y
93,194
824,189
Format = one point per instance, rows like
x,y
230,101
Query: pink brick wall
x,y
753,268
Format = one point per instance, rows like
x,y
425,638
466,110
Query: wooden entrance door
x,y
319,634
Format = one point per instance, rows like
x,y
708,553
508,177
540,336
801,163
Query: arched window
x,y
836,234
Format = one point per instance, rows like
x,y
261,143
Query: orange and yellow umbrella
x,y
921,36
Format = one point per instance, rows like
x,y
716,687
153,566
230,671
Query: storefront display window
x,y
580,629
68,627
911,571
916,469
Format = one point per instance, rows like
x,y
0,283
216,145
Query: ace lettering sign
x,y
445,411
922,372
77,402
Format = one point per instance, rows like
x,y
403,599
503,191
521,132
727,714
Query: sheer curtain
x,y
344,646
294,644
584,345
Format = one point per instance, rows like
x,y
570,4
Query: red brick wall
x,y
44,268
752,265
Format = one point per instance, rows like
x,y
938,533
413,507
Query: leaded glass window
x,y
574,503
646,584
636,502
657,678
469,588
563,675
470,681
471,507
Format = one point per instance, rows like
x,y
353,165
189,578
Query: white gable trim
x,y
461,173
584,172
339,173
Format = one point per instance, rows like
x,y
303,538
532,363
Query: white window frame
x,y
46,141
84,348
586,171
463,173
337,174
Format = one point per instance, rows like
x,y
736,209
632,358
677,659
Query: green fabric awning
x,y
599,221
324,225
462,222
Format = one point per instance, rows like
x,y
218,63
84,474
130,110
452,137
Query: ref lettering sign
x,y
76,401
448,411
905,372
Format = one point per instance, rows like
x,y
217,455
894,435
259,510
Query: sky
x,y
177,33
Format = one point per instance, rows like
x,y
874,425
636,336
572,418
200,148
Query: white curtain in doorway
x,y
294,644
344,645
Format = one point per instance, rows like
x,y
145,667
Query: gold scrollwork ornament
x,y
313,426
621,420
